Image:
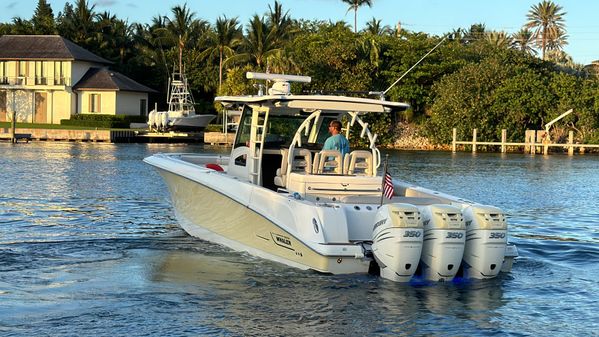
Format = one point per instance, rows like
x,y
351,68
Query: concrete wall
x,y
127,102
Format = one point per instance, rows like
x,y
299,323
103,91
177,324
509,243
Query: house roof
x,y
105,79
44,47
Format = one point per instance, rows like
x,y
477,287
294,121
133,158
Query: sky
x,y
429,16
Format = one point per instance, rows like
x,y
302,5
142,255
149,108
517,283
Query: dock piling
x,y
570,143
13,127
503,140
474,140
453,142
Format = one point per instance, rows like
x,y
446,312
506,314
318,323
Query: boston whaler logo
x,y
281,240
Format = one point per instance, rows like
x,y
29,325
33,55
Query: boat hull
x,y
190,123
211,215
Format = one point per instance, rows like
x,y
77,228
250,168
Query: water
x,y
89,246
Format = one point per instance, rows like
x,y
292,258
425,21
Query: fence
x,y
535,141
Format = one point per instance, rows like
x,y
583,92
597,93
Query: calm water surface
x,y
89,246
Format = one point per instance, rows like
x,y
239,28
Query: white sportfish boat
x,y
181,114
280,197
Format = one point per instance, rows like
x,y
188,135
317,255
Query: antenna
x,y
278,77
414,66
281,82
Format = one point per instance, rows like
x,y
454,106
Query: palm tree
x,y
260,43
374,27
279,21
184,28
523,40
78,24
354,5
499,39
223,40
547,20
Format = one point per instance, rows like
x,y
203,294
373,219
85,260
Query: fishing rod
x,y
382,94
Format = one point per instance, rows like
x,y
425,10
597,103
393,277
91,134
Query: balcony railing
x,y
33,81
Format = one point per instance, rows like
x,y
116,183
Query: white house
x,y
46,78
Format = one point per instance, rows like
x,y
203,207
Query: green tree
x,y
223,40
115,38
279,22
21,26
185,29
547,21
79,24
375,27
499,39
523,41
353,6
260,42
43,19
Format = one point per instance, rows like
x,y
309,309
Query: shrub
x,y
103,121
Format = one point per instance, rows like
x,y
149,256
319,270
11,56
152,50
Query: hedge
x,y
103,121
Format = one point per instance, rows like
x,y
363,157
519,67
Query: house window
x,y
142,107
59,73
94,103
39,73
22,69
21,72
3,73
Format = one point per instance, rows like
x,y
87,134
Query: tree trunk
x,y
544,42
220,70
355,19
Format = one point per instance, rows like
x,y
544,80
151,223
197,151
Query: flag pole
x,y
383,180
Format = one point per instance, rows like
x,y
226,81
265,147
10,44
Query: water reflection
x,y
253,295
87,236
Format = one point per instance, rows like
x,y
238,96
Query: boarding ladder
x,y
257,136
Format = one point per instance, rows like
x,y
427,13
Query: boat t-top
x,y
181,114
280,196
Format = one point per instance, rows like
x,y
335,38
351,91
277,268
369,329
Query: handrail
x,y
304,127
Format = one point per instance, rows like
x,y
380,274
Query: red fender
x,y
215,167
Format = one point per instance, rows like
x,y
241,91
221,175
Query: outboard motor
x,y
397,241
151,122
163,121
486,239
443,242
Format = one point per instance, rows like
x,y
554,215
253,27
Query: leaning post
x,y
503,140
453,142
474,140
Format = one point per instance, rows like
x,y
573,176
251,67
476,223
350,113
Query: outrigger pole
x,y
414,66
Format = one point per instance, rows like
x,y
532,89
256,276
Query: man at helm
x,y
336,141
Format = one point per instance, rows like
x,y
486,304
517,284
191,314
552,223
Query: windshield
x,y
279,129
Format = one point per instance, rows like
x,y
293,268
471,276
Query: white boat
x,y
181,114
280,197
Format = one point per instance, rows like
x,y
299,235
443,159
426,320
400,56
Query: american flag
x,y
388,186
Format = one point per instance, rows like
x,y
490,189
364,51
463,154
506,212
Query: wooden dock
x,y
535,142
219,138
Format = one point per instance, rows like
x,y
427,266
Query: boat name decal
x,y
282,241
379,223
